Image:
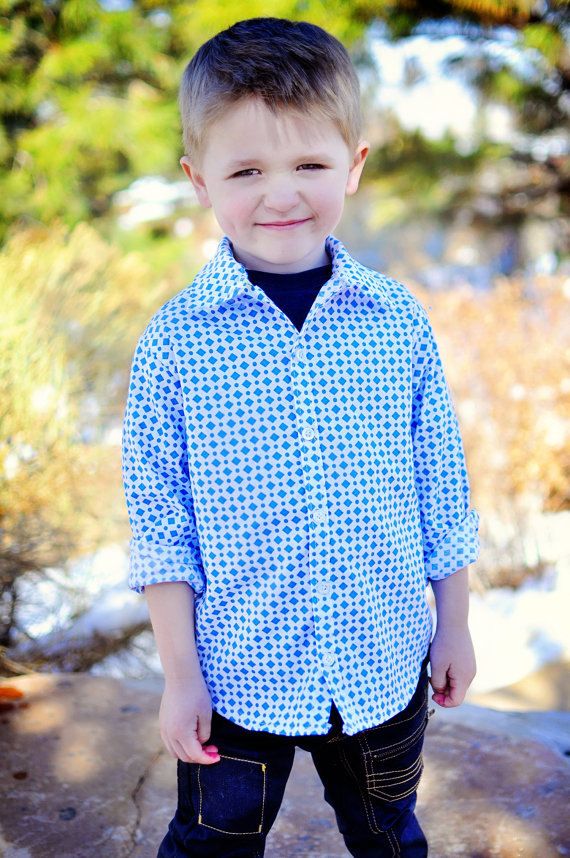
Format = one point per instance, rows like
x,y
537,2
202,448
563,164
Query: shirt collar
x,y
223,277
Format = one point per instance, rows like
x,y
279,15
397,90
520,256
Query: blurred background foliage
x,y
84,88
98,228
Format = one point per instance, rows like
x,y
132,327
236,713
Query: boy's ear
x,y
356,167
198,182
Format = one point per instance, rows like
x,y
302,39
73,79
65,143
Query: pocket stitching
x,y
386,775
223,830
397,747
380,786
369,755
390,797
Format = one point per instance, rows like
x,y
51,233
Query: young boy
x,y
294,473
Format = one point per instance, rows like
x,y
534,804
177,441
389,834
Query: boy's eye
x,y
245,172
250,171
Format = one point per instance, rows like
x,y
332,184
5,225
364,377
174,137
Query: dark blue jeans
x,y
226,809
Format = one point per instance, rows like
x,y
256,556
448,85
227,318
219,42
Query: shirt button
x,y
328,658
324,586
308,432
319,514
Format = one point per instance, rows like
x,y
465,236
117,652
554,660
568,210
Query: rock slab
x,y
86,775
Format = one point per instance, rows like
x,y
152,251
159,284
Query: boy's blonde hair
x,y
287,64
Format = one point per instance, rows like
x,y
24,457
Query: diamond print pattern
x,y
307,486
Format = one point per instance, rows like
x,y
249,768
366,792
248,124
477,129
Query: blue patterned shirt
x,y
306,484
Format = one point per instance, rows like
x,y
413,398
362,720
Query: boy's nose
x,y
281,199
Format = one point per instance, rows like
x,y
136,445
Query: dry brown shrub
x,y
506,354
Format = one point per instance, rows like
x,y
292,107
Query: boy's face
x,y
259,170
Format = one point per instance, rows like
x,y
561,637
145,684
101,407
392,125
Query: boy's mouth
x,y
284,224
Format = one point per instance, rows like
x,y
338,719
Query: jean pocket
x,y
393,784
392,760
231,794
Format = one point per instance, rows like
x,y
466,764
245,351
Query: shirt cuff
x,y
458,548
153,563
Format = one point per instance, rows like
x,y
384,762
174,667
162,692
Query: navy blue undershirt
x,y
292,293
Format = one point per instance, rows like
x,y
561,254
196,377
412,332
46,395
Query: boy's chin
x,y
278,249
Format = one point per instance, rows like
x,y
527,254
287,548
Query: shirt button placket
x,y
319,552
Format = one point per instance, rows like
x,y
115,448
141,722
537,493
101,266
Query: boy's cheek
x,y
233,209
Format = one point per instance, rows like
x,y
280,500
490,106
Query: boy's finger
x,y
456,695
196,753
438,683
439,698
204,729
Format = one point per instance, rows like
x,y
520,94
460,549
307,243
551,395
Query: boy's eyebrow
x,y
241,163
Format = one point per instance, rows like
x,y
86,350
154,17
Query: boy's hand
x,y
453,666
185,718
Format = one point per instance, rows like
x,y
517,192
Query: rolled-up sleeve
x,y
450,528
164,545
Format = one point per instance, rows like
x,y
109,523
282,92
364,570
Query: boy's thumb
x,y
204,730
197,753
438,682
